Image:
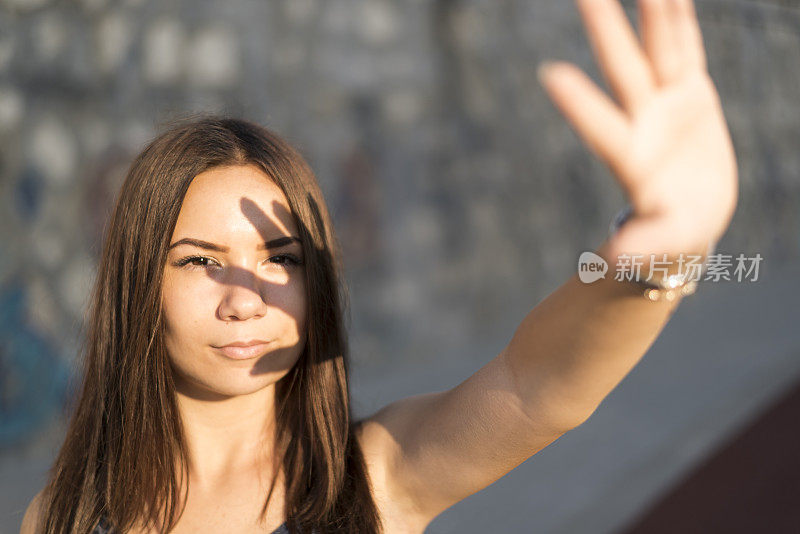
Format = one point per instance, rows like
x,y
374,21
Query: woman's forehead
x,y
235,202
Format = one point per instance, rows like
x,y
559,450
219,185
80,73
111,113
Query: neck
x,y
227,434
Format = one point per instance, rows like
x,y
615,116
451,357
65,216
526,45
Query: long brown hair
x,y
124,457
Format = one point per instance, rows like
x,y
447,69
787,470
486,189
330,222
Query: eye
x,y
288,260
196,262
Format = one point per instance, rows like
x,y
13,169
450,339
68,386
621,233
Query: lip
x,y
244,350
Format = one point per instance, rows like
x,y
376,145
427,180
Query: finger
x,y
616,47
689,35
660,39
596,118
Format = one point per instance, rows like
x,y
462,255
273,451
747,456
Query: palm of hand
x,y
666,140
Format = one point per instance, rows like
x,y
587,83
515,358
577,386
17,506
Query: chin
x,y
215,378
224,384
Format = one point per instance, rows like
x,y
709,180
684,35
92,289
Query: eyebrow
x,y
274,243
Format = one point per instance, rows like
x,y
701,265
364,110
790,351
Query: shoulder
x,y
398,503
31,522
429,451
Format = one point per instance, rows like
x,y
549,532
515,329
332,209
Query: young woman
x,y
215,395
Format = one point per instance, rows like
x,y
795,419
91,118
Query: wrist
x,y
658,276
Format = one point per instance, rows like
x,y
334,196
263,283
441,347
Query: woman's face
x,y
222,285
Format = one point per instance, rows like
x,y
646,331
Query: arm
x,y
666,142
430,451
574,347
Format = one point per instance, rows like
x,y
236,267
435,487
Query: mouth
x,y
244,351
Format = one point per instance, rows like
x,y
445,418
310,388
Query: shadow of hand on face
x,y
317,260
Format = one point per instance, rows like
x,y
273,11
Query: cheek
x,y
184,310
184,332
286,315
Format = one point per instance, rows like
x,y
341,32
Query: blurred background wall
x,y
460,196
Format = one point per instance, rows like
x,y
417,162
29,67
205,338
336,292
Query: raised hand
x,y
665,138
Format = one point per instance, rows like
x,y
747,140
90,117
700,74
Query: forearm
x,y
577,344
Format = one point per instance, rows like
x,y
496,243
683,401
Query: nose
x,y
243,298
